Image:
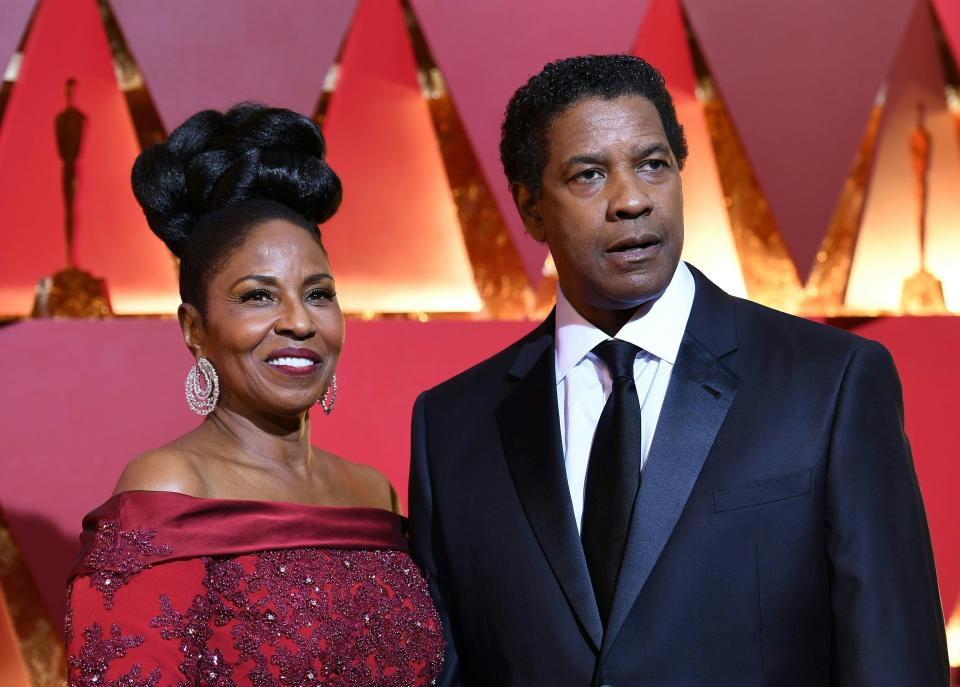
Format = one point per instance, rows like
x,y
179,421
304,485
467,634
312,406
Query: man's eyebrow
x,y
655,148
596,158
583,159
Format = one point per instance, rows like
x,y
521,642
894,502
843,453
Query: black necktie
x,y
613,474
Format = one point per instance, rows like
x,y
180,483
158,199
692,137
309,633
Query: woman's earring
x,y
329,397
202,398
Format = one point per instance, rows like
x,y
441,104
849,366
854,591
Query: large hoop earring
x,y
329,398
202,398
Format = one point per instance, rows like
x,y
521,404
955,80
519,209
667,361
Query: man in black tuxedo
x,y
663,485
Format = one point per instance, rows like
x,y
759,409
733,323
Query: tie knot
x,y
618,356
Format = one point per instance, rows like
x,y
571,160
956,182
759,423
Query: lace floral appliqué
x,y
117,555
68,616
89,667
308,617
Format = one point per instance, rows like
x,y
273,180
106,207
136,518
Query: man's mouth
x,y
634,243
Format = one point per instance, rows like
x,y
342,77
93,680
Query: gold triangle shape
x,y
497,269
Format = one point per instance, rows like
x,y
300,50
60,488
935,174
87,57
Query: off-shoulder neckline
x,y
169,525
155,493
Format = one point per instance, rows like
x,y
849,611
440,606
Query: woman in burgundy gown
x,y
238,554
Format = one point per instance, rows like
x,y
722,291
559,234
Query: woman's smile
x,y
295,362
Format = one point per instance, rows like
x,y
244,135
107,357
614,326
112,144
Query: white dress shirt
x,y
583,381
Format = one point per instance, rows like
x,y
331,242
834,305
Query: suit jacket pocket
x,y
764,491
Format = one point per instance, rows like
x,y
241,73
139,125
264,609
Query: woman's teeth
x,y
291,362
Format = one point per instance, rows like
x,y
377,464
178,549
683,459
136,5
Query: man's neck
x,y
612,321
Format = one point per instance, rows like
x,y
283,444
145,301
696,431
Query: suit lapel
x,y
529,424
700,393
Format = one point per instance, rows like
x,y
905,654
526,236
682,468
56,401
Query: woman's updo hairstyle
x,y
220,175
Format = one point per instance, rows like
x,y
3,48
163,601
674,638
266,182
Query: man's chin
x,y
634,295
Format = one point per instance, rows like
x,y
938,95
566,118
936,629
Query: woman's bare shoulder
x,y
368,486
168,468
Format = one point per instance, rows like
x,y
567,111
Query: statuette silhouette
x,y
69,126
922,292
71,292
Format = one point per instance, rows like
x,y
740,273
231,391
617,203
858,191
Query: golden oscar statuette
x,y
922,292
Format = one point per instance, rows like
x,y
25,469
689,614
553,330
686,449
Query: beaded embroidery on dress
x,y
340,604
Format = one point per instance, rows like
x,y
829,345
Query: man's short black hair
x,y
532,109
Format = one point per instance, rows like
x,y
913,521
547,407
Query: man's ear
x,y
191,324
527,204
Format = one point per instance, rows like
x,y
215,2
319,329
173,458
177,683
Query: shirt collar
x,y
658,331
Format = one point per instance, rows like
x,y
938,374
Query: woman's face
x,y
273,328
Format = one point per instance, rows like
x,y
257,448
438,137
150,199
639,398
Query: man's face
x,y
610,206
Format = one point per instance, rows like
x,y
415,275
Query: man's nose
x,y
629,198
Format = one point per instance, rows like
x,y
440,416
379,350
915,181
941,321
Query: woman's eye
x,y
256,295
321,295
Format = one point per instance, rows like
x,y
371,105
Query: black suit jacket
x,y
778,537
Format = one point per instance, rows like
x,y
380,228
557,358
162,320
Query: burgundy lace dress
x,y
172,590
